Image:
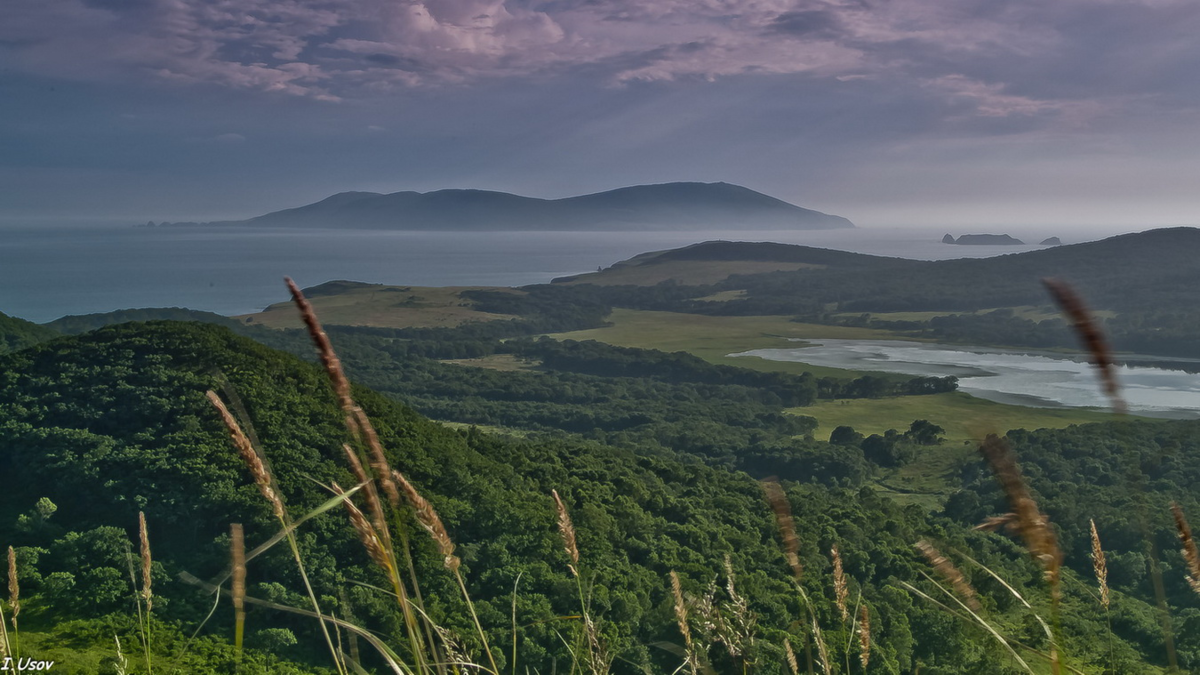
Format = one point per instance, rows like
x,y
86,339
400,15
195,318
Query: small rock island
x,y
983,240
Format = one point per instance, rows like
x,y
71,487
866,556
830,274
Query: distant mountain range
x,y
669,206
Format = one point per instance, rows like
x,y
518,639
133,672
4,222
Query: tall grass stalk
x,y
266,486
14,606
1100,568
1033,527
237,554
146,594
361,428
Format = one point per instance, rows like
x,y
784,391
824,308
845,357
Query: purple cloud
x,y
1065,60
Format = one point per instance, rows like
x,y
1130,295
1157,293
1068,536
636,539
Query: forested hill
x,y
667,206
95,428
18,333
1127,272
82,323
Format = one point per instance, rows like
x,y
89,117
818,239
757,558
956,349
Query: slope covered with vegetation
x,y
96,428
18,333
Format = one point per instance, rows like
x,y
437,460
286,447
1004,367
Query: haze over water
x,y
47,272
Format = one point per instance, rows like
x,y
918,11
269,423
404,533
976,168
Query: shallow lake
x,y
1024,377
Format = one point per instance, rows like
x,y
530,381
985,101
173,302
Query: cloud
x,y
1057,60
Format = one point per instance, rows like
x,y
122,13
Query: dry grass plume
x,y
951,574
793,665
1032,525
1099,565
681,617
1190,555
1086,327
356,419
787,526
366,533
841,590
429,519
14,588
567,529
253,462
144,538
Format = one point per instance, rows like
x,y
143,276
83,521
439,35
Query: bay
x,y
49,270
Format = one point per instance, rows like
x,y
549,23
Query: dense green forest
x,y
98,427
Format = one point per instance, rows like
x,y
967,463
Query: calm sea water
x,y
1030,377
51,271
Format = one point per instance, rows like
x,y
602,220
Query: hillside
x,y
711,262
18,333
669,206
114,421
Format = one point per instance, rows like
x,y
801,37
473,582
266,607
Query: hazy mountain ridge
x,y
665,206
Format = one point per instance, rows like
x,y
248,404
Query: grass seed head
x,y
329,359
786,524
1099,565
14,588
1190,555
681,617
793,665
948,571
1088,330
567,529
429,519
822,650
374,505
244,448
144,536
1032,525
366,532
841,590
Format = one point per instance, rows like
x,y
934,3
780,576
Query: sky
x,y
888,112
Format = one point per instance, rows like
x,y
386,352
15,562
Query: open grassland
x,y
1029,312
501,362
713,338
964,417
687,272
383,306
930,478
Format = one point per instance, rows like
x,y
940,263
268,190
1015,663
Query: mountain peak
x,y
664,206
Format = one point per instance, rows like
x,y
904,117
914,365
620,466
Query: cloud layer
x,y
1068,59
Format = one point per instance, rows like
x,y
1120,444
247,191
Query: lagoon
x,y
1024,377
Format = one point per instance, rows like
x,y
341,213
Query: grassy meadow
x,y
383,306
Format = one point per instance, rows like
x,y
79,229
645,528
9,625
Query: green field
x,y
713,338
383,306
964,417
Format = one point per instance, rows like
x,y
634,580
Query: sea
x,y
49,270
52,270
